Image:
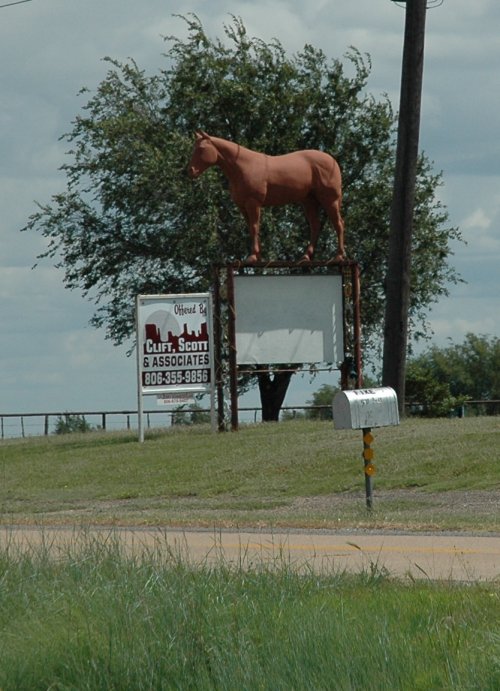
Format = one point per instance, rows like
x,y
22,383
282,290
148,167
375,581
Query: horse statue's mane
x,y
311,178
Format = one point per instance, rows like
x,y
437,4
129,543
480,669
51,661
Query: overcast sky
x,y
51,359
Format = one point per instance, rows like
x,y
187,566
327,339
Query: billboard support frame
x,y
351,365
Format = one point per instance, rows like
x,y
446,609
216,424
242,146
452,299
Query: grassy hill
x,y
431,474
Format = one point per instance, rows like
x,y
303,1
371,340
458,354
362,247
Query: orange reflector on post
x,y
368,454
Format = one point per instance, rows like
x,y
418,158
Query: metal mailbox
x,y
365,408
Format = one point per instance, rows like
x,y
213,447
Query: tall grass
x,y
95,618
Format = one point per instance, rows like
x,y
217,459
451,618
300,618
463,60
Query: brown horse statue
x,y
311,178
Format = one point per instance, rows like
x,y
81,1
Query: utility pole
x,y
401,227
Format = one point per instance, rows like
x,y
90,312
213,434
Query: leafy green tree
x,y
426,395
130,221
190,415
69,424
443,378
472,367
322,397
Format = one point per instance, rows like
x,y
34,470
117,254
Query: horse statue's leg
x,y
332,207
311,208
252,214
338,223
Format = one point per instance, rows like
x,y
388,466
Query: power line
x,y
18,2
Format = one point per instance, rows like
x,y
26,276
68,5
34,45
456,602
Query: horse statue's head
x,y
204,155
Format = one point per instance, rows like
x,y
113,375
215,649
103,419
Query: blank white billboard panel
x,y
288,319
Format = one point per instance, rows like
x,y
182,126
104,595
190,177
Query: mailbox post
x,y
369,467
364,409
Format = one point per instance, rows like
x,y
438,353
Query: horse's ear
x,y
200,134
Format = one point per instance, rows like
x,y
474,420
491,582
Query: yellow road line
x,y
354,548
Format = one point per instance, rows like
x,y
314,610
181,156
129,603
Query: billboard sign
x,y
289,319
174,343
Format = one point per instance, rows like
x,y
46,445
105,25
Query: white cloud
x,y
455,329
481,230
477,219
51,48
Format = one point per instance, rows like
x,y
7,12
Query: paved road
x,y
436,556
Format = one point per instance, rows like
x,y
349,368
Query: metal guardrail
x,y
45,422
128,419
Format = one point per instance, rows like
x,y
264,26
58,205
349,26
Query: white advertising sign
x,y
174,343
286,319
175,351
174,399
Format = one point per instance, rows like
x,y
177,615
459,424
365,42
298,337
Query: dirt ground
x,y
477,503
408,509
